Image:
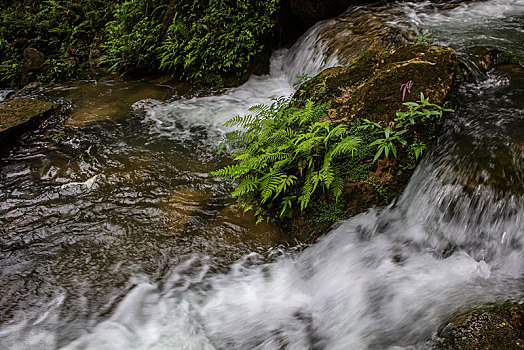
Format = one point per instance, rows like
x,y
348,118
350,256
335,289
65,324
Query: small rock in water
x,y
494,326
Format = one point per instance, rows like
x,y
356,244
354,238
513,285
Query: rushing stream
x,y
114,236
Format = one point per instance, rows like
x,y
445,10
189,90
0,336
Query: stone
x,y
296,16
360,30
95,57
33,59
21,115
370,88
491,326
182,208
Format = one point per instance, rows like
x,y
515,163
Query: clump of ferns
x,y
283,155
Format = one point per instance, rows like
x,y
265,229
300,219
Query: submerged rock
x,y
492,326
183,208
21,115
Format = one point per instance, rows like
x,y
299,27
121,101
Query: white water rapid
x,y
384,279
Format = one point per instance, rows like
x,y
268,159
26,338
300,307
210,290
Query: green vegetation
x,y
286,157
202,41
422,39
217,38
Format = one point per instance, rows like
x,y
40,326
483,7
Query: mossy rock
x,y
370,88
21,115
492,326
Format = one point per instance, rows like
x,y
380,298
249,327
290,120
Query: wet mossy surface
x,y
492,326
370,88
19,111
20,116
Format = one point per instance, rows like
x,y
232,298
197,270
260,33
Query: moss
x,y
506,57
369,88
491,326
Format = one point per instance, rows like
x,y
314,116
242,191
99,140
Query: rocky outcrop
x,y
370,89
21,115
296,16
360,30
494,326
33,59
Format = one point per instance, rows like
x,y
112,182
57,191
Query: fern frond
x,y
308,144
270,183
336,132
286,183
336,187
348,145
249,184
327,172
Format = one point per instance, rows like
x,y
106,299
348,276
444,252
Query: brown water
x,y
97,205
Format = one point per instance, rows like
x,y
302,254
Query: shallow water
x,y
114,236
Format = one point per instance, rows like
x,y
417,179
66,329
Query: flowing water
x,y
114,236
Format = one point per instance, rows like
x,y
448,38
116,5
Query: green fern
x,y
285,155
274,145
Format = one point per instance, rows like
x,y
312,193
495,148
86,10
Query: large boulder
x,y
33,59
493,326
363,29
370,88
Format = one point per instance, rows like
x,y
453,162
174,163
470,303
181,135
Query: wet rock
x,y
493,326
182,209
21,115
360,30
296,16
234,217
369,88
485,59
33,85
107,98
95,57
33,59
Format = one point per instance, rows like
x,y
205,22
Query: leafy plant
x,y
422,110
421,39
132,38
209,40
284,155
302,79
417,148
387,143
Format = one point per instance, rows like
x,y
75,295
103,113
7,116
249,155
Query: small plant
x,y
421,39
302,79
406,88
422,110
417,148
387,143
